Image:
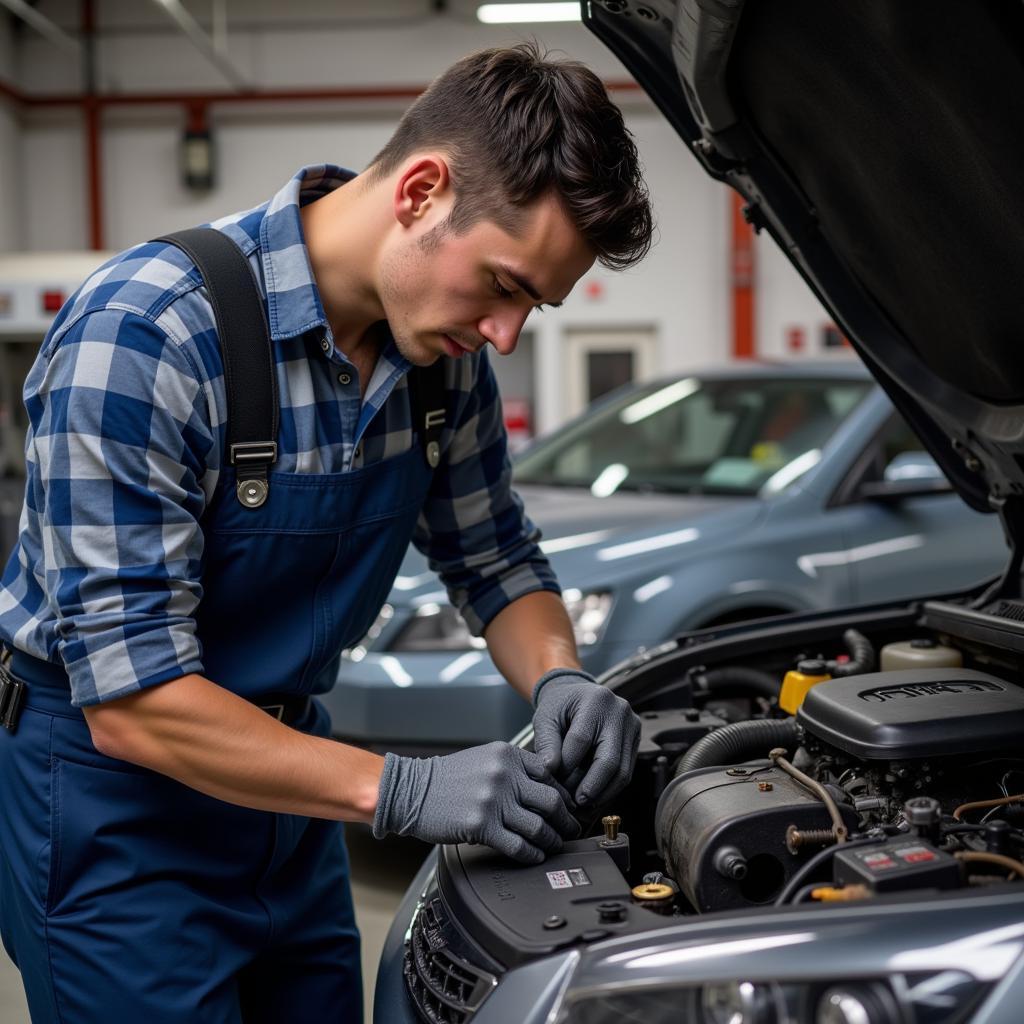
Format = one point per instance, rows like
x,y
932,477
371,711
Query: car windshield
x,y
696,436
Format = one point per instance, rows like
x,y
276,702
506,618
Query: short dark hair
x,y
516,125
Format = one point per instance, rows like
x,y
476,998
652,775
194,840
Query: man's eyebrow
x,y
527,286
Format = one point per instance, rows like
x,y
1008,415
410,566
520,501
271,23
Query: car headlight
x,y
436,627
588,612
944,997
736,1002
439,627
358,652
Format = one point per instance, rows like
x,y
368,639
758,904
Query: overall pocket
x,y
116,833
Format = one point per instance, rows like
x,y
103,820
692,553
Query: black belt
x,y
29,682
287,709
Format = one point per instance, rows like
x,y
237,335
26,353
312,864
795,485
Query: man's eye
x,y
504,293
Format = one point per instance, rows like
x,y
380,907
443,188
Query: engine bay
x,y
794,765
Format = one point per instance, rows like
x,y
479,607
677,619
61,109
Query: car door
x,y
902,547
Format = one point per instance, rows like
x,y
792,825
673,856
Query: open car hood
x,y
880,145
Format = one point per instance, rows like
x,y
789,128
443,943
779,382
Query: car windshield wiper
x,y
696,490
550,481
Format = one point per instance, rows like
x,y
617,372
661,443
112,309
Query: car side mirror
x,y
909,475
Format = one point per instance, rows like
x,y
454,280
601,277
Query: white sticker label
x,y
567,879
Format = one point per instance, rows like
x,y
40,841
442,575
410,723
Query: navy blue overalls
x,y
126,896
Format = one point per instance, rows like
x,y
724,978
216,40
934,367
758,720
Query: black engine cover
x,y
915,713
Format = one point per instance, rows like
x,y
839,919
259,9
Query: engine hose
x,y
740,742
969,856
738,681
811,867
862,656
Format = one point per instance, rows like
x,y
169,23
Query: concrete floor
x,y
381,872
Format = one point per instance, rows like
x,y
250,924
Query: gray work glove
x,y
497,795
587,737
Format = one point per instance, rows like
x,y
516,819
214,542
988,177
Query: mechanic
x,y
216,506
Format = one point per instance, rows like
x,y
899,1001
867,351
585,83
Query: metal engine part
x,y
722,833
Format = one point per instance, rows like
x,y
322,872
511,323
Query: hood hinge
x,y
1011,515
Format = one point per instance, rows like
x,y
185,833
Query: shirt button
x,y
344,378
359,451
325,345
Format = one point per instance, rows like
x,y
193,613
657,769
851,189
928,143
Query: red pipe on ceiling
x,y
93,105
401,92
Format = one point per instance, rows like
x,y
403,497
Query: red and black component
x,y
897,866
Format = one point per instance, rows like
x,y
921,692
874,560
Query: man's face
x,y
446,294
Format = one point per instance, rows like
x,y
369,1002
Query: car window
x,y
895,438
721,436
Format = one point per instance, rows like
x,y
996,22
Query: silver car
x,y
687,502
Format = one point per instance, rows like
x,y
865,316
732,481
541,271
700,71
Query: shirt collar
x,y
293,299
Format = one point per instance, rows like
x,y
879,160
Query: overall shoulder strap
x,y
427,396
250,378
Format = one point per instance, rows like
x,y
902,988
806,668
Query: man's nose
x,y
502,330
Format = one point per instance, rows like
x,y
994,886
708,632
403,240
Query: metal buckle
x,y
250,453
274,710
434,418
252,457
12,693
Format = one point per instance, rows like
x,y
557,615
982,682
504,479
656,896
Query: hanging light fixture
x,y
197,162
505,14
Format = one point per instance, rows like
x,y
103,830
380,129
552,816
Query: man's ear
x,y
421,188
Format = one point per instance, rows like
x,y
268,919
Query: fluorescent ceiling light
x,y
506,14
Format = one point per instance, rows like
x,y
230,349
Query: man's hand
x,y
496,794
583,731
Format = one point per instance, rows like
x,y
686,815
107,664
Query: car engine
x,y
896,759
875,763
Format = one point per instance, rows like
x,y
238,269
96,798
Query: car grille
x,y
446,988
1011,610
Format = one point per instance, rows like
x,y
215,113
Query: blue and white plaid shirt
x,y
127,411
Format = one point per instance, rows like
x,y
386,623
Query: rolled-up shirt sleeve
x,y
473,528
121,432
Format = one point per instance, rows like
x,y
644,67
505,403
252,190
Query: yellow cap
x,y
829,893
652,891
795,687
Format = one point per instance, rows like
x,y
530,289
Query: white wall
x,y
10,167
682,290
785,304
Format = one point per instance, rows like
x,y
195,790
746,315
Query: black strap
x,y
250,378
249,375
427,399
